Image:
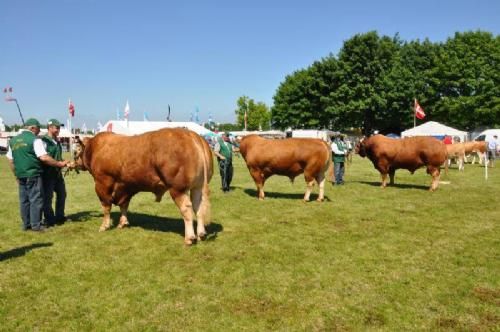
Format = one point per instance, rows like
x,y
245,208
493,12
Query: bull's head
x,y
78,153
360,147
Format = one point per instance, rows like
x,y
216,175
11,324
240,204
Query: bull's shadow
x,y
21,251
273,194
165,224
396,185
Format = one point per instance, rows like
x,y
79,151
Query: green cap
x,y
32,122
53,122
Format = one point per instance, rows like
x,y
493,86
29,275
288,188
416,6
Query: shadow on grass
x,y
396,185
163,224
272,194
83,216
21,251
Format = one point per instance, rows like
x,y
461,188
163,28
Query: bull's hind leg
x,y
309,187
321,179
201,207
185,206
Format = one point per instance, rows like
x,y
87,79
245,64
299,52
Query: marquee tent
x,y
432,128
138,127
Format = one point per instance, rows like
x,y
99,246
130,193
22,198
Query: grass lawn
x,y
394,259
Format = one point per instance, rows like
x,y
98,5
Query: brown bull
x,y
388,155
174,160
477,148
456,151
289,157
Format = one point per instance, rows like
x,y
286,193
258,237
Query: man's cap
x,y
53,122
32,122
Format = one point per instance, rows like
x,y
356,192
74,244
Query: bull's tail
x,y
207,176
329,164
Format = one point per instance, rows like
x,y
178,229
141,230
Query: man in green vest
x,y
339,151
223,149
26,154
52,178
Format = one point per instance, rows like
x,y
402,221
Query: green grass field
x,y
394,259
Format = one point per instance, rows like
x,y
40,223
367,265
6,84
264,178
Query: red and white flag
x,y
71,108
126,111
419,111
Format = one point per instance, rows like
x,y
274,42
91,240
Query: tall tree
x,y
258,114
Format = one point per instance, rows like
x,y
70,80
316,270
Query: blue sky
x,y
191,54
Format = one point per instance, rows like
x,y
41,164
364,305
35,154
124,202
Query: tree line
x,y
373,81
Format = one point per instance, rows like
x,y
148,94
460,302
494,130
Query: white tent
x,y
138,127
432,128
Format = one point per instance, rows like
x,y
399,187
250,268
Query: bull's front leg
x,y
123,218
435,173
185,206
310,185
106,220
384,180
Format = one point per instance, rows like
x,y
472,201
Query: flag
x,y
419,111
168,116
71,108
126,111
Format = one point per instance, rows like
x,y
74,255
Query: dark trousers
x,y
54,184
31,201
226,173
339,168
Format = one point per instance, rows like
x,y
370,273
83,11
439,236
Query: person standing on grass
x,y
492,150
52,178
26,154
339,150
223,149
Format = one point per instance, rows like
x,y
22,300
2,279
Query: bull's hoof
x,y
320,200
261,198
123,225
103,228
202,236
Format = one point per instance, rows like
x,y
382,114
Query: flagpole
x,y
414,113
20,114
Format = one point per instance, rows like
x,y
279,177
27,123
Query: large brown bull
x,y
174,160
388,155
289,157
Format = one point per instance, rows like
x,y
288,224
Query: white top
x,y
336,150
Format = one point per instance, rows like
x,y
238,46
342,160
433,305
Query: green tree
x,y
466,81
258,114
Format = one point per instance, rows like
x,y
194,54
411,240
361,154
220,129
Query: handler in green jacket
x,y
339,150
223,149
26,154
52,178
